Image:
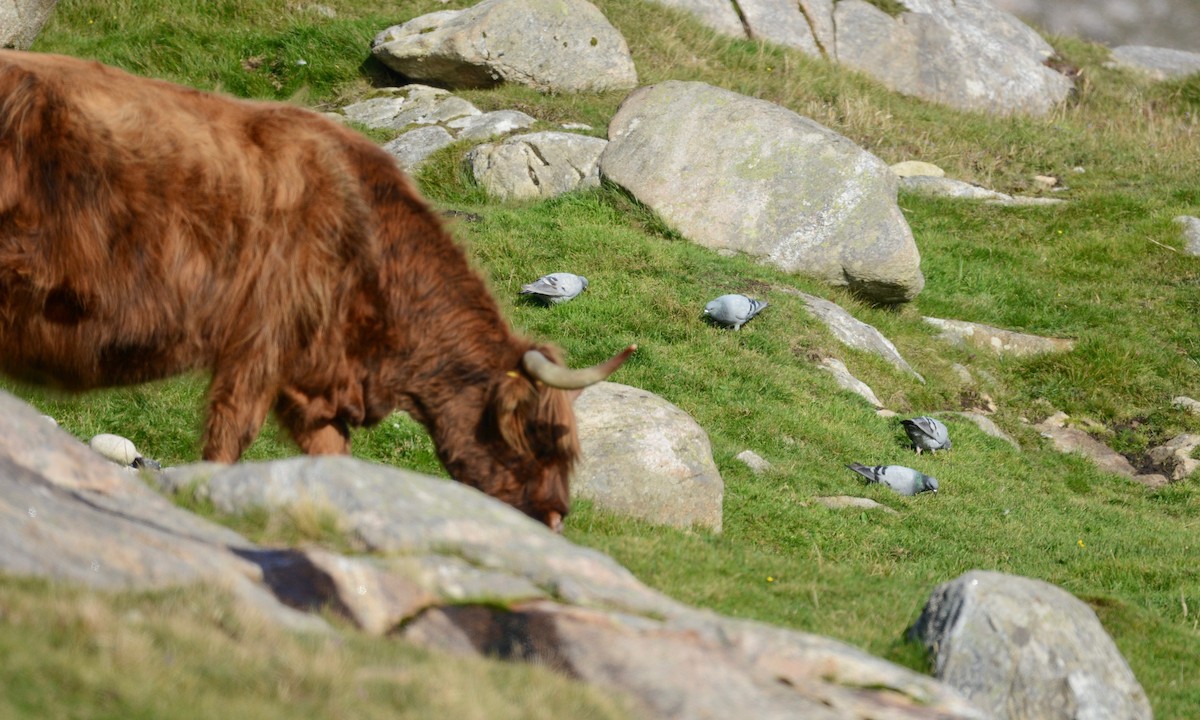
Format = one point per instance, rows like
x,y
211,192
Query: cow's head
x,y
526,440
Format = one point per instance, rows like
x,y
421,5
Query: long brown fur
x,y
148,229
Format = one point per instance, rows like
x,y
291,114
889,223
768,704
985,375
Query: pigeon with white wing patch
x,y
903,480
733,310
556,287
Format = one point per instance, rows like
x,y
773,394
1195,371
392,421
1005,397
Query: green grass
x,y
1105,270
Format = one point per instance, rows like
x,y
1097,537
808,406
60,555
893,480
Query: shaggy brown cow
x,y
148,229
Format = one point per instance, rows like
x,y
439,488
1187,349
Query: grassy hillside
x,y
1105,269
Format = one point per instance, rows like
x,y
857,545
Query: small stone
x,y
757,464
917,168
841,502
1044,182
115,448
1186,403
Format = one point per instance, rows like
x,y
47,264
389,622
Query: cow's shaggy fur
x,y
148,229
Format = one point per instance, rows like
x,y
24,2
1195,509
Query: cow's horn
x,y
551,373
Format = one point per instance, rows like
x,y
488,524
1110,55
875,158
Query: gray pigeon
x,y
733,310
556,287
927,433
903,480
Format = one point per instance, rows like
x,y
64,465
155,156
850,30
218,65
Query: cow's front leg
x,y
237,407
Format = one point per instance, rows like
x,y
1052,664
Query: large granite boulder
x,y
22,20
736,173
963,53
551,45
644,457
1023,648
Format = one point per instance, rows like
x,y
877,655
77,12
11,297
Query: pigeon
x,y
556,287
927,433
733,310
903,480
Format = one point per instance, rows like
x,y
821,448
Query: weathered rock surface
x,y
757,463
1157,62
1004,342
1186,403
646,458
1190,227
963,53
22,20
846,381
537,165
1073,440
1174,458
457,570
551,45
415,146
857,334
935,186
917,168
1023,648
68,514
736,173
987,425
1169,23
399,107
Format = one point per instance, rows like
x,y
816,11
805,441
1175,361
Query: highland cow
x,y
149,229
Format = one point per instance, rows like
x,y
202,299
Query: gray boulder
x,y
551,45
537,165
963,53
857,334
1157,62
646,458
22,20
732,172
1023,648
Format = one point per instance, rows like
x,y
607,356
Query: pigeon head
x,y
931,483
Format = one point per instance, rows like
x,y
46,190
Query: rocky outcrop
x,y
731,172
1023,648
963,53
454,569
22,20
845,380
551,45
1157,62
857,334
997,340
1168,23
646,458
